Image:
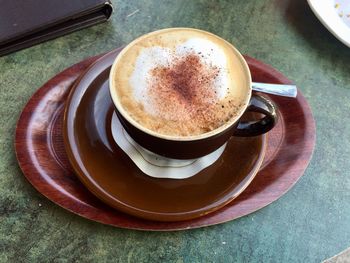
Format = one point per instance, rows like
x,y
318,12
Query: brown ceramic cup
x,y
191,147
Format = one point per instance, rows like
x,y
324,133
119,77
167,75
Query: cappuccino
x,y
180,82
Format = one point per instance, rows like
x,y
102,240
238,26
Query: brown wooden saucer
x,y
43,160
109,174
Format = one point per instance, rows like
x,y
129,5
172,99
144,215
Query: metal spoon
x,y
276,89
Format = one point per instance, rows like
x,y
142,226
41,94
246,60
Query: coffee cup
x,y
181,93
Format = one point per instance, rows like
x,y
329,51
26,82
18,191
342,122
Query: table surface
x,y
308,224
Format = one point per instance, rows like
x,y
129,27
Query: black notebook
x,y
24,23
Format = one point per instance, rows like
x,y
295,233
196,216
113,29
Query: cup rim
x,y
134,123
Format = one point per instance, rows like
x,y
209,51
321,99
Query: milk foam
x,y
152,57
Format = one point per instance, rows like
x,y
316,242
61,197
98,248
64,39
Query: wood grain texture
x,y
39,148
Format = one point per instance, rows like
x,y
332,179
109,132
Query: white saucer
x,y
335,16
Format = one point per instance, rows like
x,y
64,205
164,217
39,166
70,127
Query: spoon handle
x,y
276,89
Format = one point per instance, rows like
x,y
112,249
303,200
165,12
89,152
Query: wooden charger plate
x,y
43,160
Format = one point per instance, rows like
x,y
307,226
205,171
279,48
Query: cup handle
x,y
257,127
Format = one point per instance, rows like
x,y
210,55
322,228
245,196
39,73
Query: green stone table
x,y
308,224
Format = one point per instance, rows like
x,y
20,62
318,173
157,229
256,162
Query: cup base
x,y
158,166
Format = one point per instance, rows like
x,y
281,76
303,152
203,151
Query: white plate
x,y
335,16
